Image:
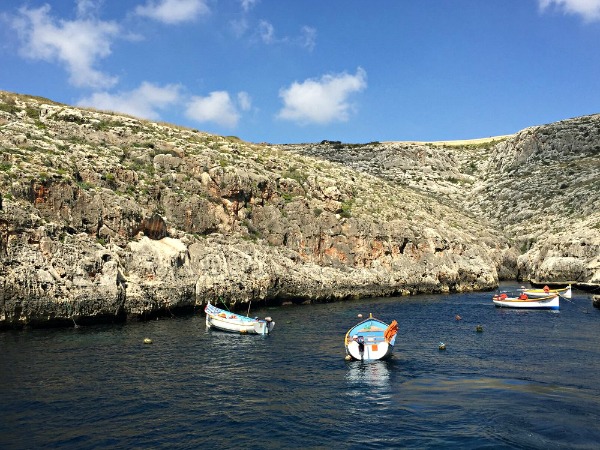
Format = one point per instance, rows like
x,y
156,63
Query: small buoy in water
x,y
442,346
457,317
147,341
348,357
479,328
360,316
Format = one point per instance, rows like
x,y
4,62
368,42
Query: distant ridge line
x,y
455,142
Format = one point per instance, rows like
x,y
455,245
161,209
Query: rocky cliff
x,y
108,217
540,188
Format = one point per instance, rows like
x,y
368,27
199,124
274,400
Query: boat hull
x,y
539,293
370,340
371,351
235,323
548,302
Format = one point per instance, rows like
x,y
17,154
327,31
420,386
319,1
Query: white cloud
x,y
88,8
247,5
588,9
173,11
321,101
142,102
78,44
308,38
239,27
244,101
217,108
266,31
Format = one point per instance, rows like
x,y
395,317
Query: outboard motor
x,y
361,345
270,323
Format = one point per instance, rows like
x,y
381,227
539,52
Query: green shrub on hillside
x,y
346,208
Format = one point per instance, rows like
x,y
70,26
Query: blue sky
x,y
288,71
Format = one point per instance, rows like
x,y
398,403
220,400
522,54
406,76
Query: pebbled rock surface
x,y
105,217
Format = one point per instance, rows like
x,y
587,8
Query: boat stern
x,y
264,326
369,351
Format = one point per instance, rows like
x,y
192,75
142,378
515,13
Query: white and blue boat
x,y
371,339
236,323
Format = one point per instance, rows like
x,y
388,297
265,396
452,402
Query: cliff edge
x,y
105,217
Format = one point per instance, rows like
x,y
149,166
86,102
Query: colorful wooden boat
x,y
503,300
371,339
236,323
546,291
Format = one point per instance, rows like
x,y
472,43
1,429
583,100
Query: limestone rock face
x,y
540,188
574,257
543,187
106,217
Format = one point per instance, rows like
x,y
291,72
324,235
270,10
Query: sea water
x,y
529,379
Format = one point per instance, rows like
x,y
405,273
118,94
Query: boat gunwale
x,y
525,300
239,317
551,302
365,321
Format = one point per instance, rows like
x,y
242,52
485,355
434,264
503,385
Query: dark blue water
x,y
529,380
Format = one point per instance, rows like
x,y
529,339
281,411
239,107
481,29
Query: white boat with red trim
x,y
503,300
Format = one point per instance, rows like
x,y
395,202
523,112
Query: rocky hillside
x,y
540,188
108,217
543,186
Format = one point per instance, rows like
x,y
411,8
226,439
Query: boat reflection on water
x,y
370,373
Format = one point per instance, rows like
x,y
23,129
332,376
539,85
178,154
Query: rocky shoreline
x,y
110,218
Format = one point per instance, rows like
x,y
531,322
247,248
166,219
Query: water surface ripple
x,y
529,380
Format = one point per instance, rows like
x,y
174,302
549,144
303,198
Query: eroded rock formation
x,y
105,217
